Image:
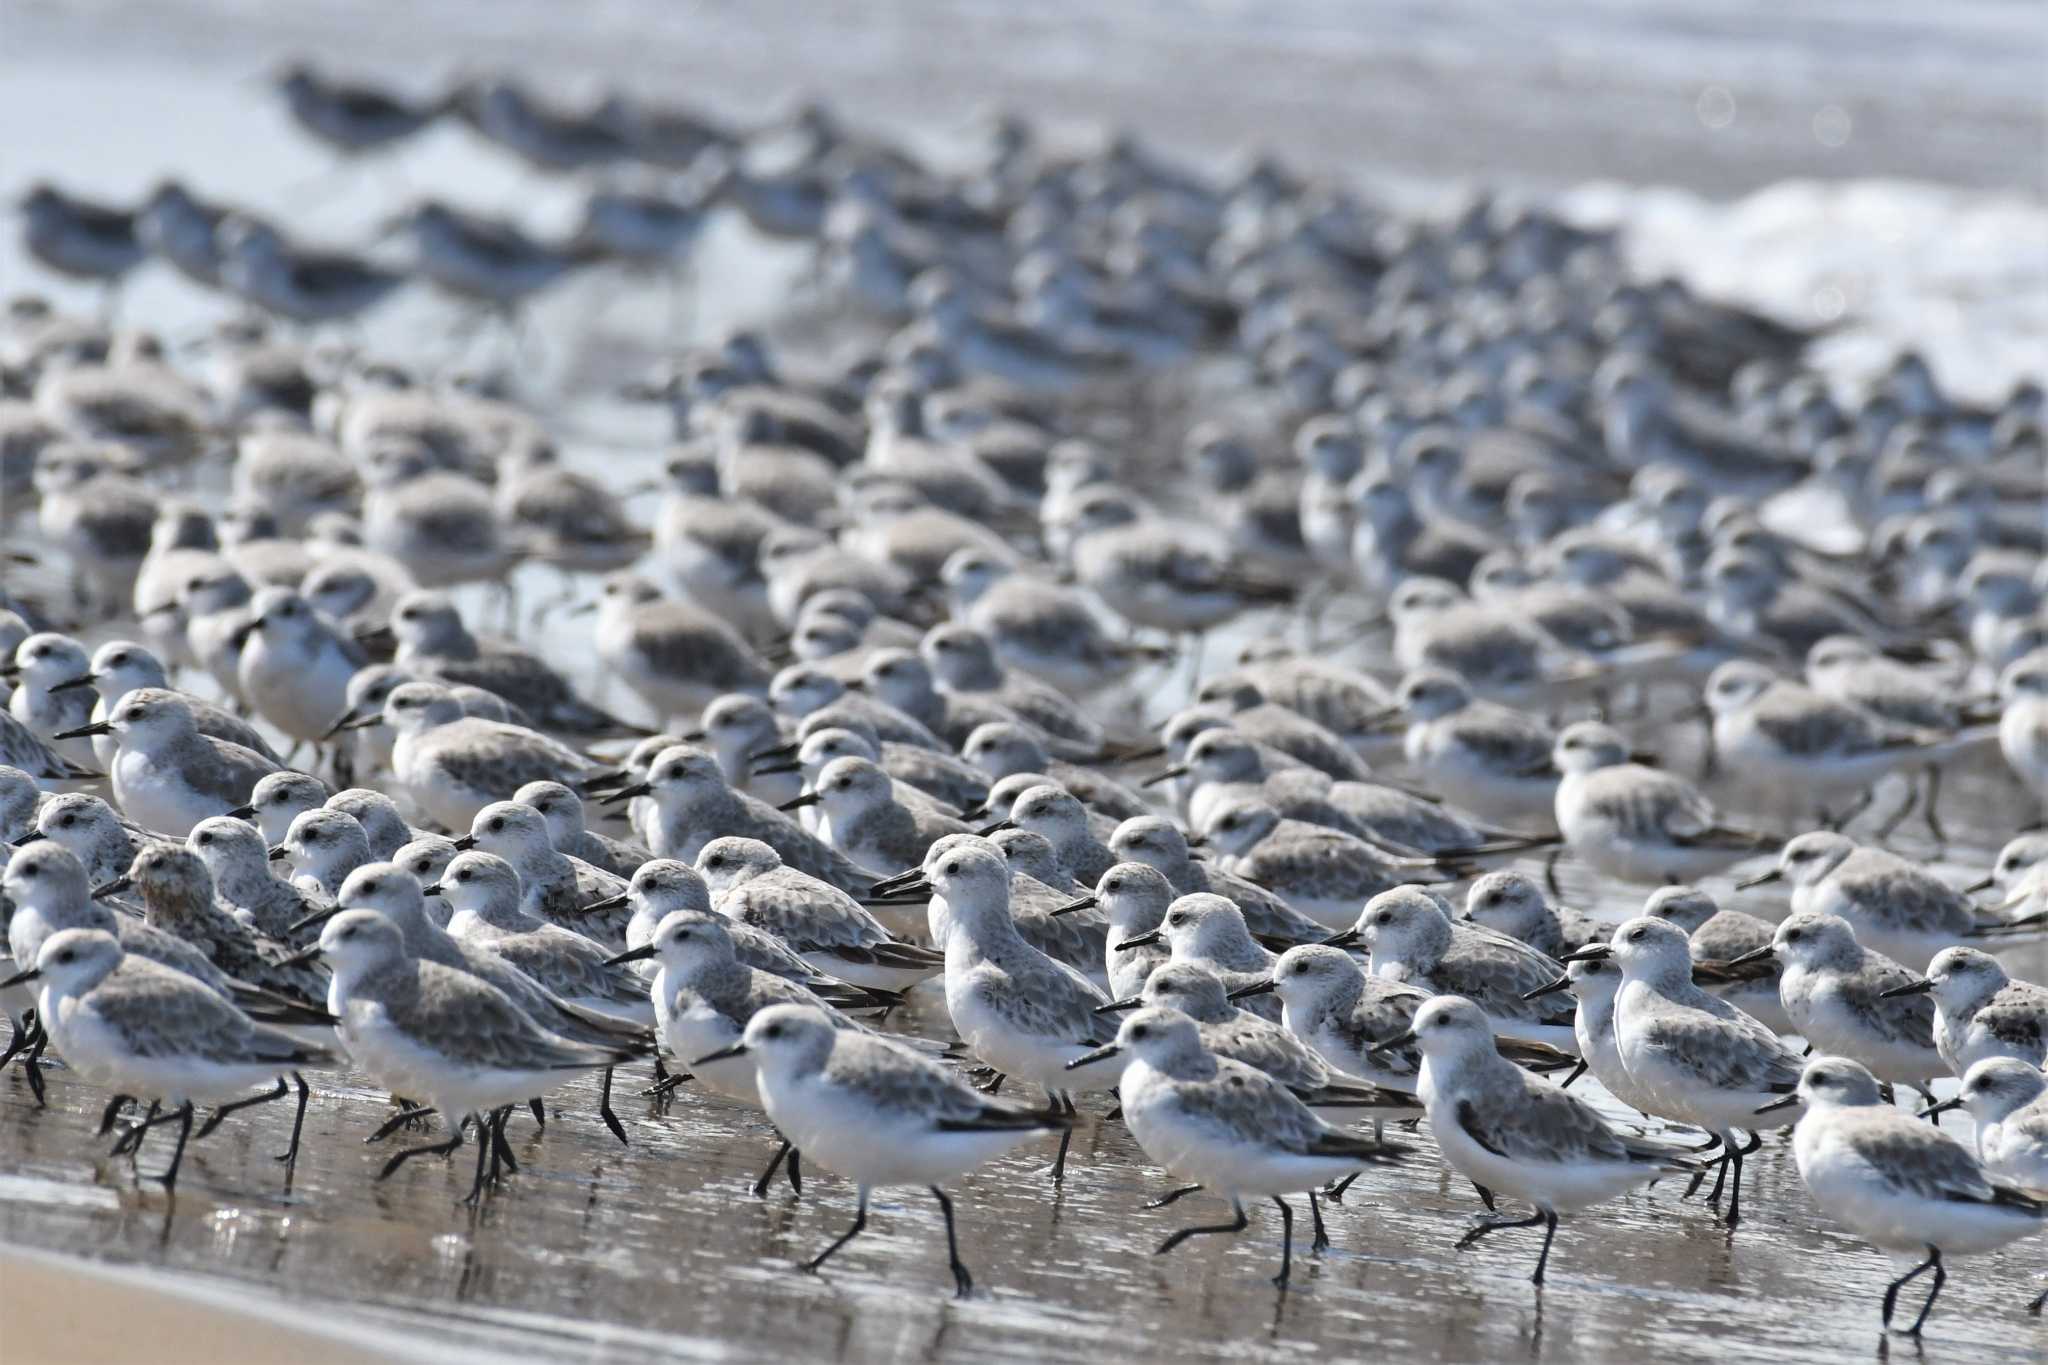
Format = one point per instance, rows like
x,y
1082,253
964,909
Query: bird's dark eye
x,y
28,871
1141,1032
1793,935
68,821
1176,920
1383,917
372,887
952,869
717,860
1636,936
772,1031
206,838
497,825
463,876
1492,898
65,956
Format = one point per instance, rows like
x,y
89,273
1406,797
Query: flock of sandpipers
x,y
1491,513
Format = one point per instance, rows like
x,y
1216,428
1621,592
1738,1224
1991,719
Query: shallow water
x,y
596,1252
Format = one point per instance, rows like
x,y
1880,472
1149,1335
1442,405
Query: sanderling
x,y
1716,938
384,825
876,1112
2023,723
168,776
562,809
1207,930
93,831
41,665
421,1028
918,777
178,897
452,765
963,660
1004,748
1777,733
426,858
1516,1134
24,752
433,641
1691,1055
1411,937
807,692
1895,905
280,798
1903,1185
2004,1095
822,924
1838,996
1018,1010
1133,897
140,1028
394,893
100,518
483,892
1158,843
1043,904
663,886
1595,982
121,666
678,657
703,996
1224,1125
295,667
350,116
1047,630
862,818
1486,758
78,237
748,739
1057,815
694,805
1324,873
323,847
237,857
1513,903
1980,1011
1230,1030
1635,822
553,886
287,279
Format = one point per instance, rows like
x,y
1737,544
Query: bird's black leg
x,y
406,1116
1576,1072
1335,1193
501,1149
112,1112
604,1110
235,1106
1891,1293
540,1113
1315,1212
1495,1225
32,1062
1173,1196
963,1283
774,1165
484,1148
430,1149
1549,1235
1940,1279
1550,862
795,1172
860,1221
1236,1225
1286,1241
1735,1156
18,1042
290,1156
170,1177
131,1136
1485,1196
